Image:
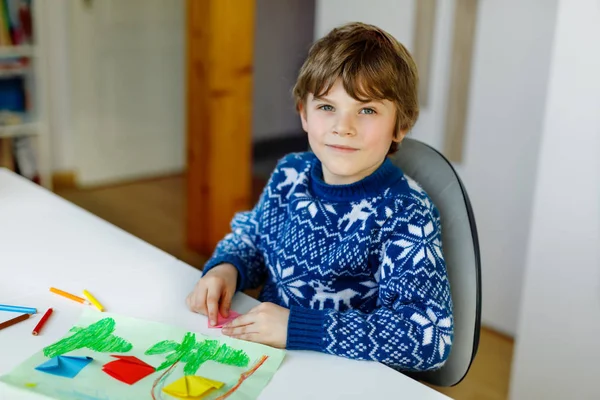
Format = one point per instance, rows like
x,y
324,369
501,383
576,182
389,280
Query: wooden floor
x,y
154,210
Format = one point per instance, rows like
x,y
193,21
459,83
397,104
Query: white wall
x,y
557,351
432,118
395,16
284,33
504,123
58,85
508,88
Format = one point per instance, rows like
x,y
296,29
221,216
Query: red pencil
x,y
40,325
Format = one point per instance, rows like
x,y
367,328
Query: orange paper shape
x,y
128,369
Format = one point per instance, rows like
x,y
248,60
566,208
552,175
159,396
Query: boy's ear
x,y
302,112
399,136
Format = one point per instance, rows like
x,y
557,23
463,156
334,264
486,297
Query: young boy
x,y
347,246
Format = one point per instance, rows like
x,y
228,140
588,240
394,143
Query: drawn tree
x,y
194,353
97,336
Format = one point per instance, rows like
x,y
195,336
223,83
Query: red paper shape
x,y
221,320
128,369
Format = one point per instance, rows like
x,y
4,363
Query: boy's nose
x,y
344,126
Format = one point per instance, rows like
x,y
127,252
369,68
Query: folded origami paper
x,y
192,387
222,320
66,366
128,369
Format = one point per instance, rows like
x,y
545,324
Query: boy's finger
x,y
250,337
212,304
235,330
199,302
225,304
242,320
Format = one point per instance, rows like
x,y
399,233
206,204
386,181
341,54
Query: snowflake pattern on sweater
x,y
360,266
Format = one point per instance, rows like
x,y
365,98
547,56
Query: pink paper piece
x,y
222,320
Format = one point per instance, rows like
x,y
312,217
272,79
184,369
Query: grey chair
x,y
460,246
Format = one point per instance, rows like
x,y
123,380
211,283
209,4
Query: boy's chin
x,y
342,175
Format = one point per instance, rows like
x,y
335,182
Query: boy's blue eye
x,y
367,111
326,107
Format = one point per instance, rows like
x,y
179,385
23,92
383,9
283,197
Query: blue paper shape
x,y
66,366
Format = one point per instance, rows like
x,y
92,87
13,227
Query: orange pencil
x,y
69,296
13,321
40,325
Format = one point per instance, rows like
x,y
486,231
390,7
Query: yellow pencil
x,y
93,300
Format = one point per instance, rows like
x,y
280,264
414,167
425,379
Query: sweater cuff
x,y
306,329
231,259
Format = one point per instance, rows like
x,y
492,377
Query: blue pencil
x,y
25,310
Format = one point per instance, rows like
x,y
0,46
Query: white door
x,y
127,88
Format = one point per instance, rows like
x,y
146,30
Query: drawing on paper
x,y
130,358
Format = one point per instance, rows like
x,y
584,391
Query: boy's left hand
x,y
266,323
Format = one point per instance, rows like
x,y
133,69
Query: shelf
x,y
17,51
26,129
9,73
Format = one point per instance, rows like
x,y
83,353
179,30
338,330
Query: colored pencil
x,y
69,296
19,309
93,300
13,321
40,325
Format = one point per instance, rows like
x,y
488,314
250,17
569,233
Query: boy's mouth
x,y
343,149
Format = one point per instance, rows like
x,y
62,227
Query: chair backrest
x,y
460,247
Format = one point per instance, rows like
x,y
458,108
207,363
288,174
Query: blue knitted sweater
x,y
360,266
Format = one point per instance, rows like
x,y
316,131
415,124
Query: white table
x,y
46,241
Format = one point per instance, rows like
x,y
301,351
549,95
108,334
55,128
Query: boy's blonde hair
x,y
372,65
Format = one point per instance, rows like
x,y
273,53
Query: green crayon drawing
x,y
194,354
97,336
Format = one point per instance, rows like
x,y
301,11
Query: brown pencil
x,y
13,321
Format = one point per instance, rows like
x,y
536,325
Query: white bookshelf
x,y
25,129
34,124
17,51
14,72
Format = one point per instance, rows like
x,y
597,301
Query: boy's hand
x,y
266,323
213,292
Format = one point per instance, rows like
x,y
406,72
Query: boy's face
x,y
350,138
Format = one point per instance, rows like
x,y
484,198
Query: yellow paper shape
x,y
191,387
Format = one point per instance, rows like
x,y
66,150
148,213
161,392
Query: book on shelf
x,y
16,28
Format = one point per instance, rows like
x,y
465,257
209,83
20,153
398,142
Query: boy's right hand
x,y
213,292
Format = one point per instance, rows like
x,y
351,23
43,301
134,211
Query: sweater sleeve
x,y
412,328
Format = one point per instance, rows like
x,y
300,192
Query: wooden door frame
x,y
220,39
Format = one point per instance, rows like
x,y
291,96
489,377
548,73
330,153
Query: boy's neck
x,y
335,180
